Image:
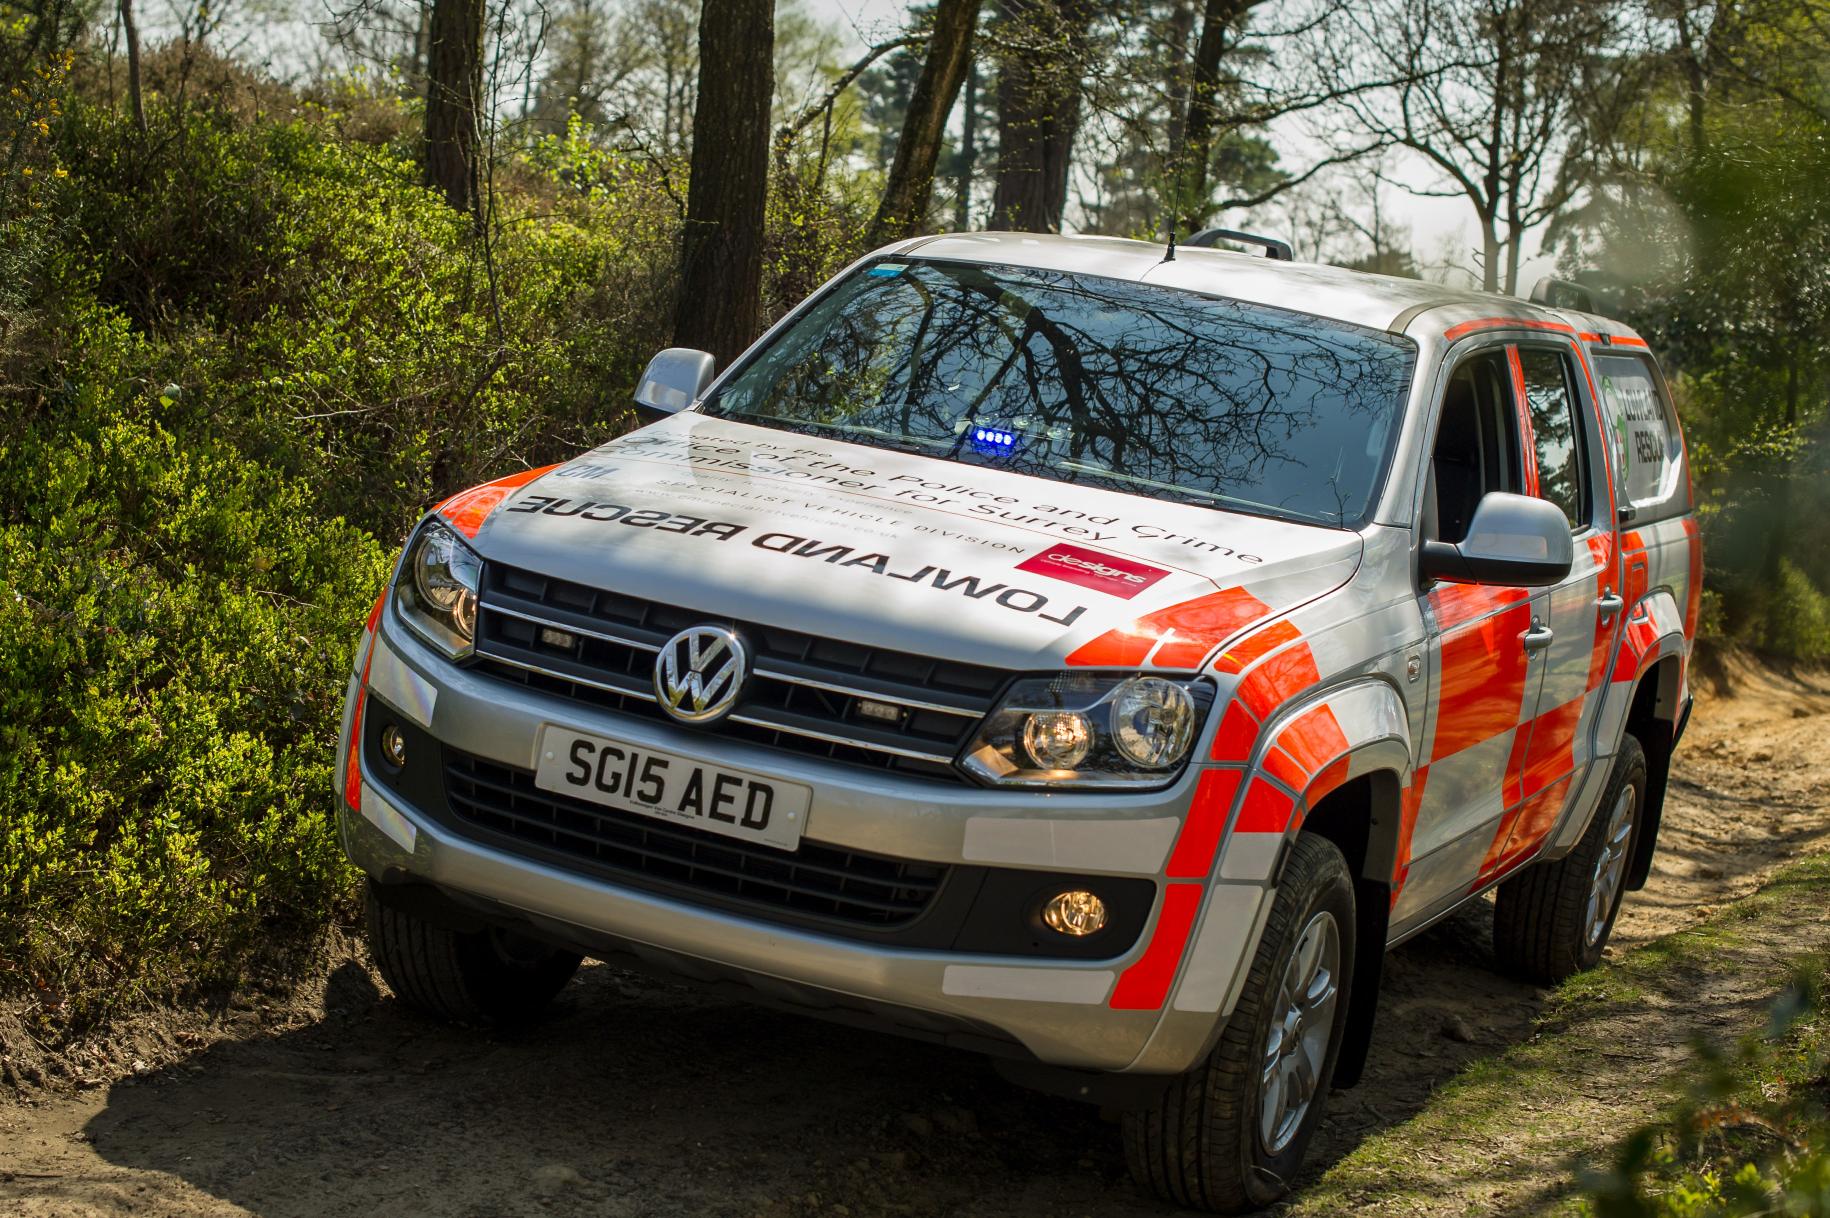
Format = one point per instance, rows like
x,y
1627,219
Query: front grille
x,y
803,695
815,880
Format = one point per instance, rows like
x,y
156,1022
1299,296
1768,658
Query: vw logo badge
x,y
700,672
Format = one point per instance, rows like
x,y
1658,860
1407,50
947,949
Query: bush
x,y
347,326
1797,616
173,643
244,354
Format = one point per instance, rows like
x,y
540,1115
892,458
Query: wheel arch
x,y
1354,798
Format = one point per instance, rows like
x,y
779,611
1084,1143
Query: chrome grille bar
x,y
805,692
754,719
851,691
574,628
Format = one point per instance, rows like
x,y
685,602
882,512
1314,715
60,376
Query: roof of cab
x,y
1380,302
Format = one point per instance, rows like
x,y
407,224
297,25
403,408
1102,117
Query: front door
x,y
1481,646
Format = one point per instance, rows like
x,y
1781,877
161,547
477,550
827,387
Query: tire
x,y
1552,920
1203,1145
481,978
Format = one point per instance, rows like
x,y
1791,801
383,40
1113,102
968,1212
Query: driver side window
x,y
1477,445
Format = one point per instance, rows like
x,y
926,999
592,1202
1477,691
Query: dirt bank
x,y
645,1098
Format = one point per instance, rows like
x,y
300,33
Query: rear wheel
x,y
484,977
1553,919
1230,1134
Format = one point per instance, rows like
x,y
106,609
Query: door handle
x,y
1610,603
1538,637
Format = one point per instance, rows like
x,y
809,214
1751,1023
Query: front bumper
x,y
1054,1010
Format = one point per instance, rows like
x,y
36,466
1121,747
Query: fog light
x,y
393,746
564,640
1074,913
882,712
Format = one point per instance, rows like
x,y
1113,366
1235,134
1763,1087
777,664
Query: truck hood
x,y
909,553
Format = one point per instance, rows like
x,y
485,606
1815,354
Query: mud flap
x,y
1658,749
1373,902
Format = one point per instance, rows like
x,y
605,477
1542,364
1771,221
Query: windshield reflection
x,y
1082,379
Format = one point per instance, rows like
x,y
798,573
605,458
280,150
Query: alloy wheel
x,y
1297,1046
1611,866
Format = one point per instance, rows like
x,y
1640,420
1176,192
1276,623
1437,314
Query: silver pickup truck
x,y
1082,652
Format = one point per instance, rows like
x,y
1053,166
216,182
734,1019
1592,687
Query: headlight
x,y
1091,731
437,589
1153,722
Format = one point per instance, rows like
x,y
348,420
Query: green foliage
x,y
359,336
257,350
1752,1135
814,225
1798,616
174,640
1718,250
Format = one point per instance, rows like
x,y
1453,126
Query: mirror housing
x,y
1514,541
674,379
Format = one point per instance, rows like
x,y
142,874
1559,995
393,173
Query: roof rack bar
x,y
1563,294
1273,247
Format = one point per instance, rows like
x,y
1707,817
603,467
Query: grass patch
x,y
1750,1135
1629,1045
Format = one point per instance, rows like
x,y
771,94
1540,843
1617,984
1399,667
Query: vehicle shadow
x,y
640,1097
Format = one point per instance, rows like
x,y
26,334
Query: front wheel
x,y
482,977
1230,1134
1552,919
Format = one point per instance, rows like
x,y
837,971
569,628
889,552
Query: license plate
x,y
672,788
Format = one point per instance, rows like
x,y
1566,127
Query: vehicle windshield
x,y
1078,378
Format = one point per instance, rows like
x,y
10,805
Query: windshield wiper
x,y
1191,496
870,436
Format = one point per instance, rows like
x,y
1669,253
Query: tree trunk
x,y
721,247
1779,536
911,181
968,149
1189,167
1490,255
132,34
1694,84
1038,111
454,96
422,32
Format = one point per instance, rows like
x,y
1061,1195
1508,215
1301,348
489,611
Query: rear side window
x,y
1556,432
1648,450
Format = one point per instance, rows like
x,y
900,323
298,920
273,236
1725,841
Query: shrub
x,y
257,350
173,640
1797,616
350,328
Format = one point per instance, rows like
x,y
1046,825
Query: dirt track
x,y
644,1098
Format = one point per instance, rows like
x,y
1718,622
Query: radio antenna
x,y
1170,254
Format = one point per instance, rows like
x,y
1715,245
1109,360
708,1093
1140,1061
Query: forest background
x,y
265,299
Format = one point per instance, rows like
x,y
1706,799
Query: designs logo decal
x,y
1106,573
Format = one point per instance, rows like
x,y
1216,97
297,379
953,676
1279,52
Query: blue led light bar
x,y
993,437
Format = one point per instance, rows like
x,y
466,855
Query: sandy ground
x,y
640,1097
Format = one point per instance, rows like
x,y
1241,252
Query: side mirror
x,y
1514,541
674,380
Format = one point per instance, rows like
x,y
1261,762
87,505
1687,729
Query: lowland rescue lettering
x,y
943,579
